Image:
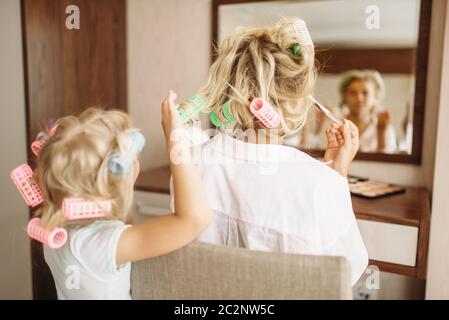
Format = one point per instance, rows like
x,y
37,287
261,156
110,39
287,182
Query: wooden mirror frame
x,y
420,67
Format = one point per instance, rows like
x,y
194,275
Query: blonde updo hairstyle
x,y
259,62
74,163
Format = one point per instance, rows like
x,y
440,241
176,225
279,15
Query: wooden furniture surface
x,y
68,70
411,208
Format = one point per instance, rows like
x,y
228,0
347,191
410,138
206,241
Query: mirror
x,y
372,62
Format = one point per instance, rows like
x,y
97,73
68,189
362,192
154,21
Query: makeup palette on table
x,y
369,189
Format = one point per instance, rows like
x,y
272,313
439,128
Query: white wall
x,y
168,46
15,269
438,265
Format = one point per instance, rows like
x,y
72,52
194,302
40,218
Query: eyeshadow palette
x,y
369,189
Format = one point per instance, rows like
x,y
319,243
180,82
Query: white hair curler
x,y
302,33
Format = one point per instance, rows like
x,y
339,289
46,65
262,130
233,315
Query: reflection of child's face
x,y
360,96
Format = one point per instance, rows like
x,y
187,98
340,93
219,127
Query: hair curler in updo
x,y
265,112
196,106
302,33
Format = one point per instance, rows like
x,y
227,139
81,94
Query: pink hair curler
x,y
54,239
78,208
41,139
36,146
29,189
265,112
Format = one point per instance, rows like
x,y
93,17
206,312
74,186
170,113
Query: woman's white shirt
x,y
277,198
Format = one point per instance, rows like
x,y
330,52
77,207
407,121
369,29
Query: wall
x,y
15,270
438,265
168,45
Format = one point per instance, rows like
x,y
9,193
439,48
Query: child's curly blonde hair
x,y
262,62
74,163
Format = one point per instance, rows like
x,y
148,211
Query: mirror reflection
x,y
366,56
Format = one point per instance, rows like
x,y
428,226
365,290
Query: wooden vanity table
x,y
395,229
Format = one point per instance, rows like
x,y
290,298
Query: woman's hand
x,y
342,146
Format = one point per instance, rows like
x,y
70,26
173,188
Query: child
x,y
98,253
266,196
361,93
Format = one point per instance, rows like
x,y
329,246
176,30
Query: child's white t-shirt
x,y
85,267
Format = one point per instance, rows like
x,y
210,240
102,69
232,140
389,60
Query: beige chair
x,y
205,271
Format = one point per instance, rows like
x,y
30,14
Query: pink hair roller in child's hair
x,y
29,189
54,239
41,139
78,208
36,146
265,112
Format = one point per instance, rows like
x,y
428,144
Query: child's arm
x,y
162,235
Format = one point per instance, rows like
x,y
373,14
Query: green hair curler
x,y
183,115
197,106
297,50
214,119
226,114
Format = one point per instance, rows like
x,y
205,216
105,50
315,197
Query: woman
x,y
264,195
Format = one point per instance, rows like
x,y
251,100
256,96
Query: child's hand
x,y
342,146
383,120
169,116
